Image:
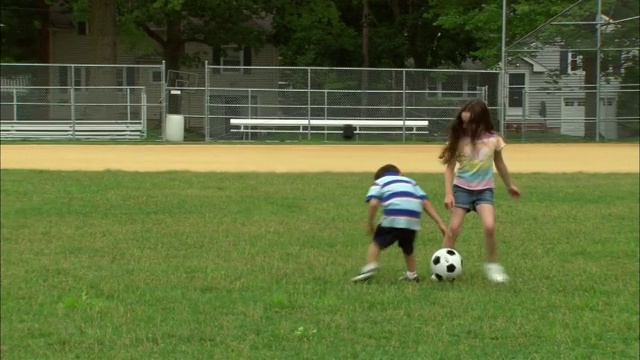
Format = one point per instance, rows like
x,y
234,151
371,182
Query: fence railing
x,y
279,103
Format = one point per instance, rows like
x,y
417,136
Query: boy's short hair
x,y
388,168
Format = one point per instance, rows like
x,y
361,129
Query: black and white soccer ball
x,y
446,264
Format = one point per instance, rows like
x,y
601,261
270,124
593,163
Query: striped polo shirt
x,y
401,199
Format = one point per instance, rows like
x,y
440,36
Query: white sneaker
x,y
366,272
495,273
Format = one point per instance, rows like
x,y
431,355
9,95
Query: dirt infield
x,y
548,158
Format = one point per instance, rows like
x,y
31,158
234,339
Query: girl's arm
x,y
502,169
448,178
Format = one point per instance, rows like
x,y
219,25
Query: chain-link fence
x,y
48,101
334,104
576,76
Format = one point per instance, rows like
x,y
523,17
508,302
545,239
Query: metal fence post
x,y
523,129
598,60
72,99
15,104
143,111
128,105
206,101
163,99
249,108
404,104
308,103
325,115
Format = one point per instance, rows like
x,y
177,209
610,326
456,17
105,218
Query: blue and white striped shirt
x,y
401,199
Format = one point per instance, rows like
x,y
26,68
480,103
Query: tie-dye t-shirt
x,y
475,163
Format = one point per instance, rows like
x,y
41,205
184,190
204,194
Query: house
x,y
70,43
548,86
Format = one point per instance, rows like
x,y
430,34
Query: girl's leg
x,y
455,227
495,271
488,218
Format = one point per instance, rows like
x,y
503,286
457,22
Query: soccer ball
x,y
446,264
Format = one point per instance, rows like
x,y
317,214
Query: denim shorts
x,y
469,199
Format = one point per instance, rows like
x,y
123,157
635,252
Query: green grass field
x,y
114,265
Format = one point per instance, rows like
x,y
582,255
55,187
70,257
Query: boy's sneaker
x,y
406,277
495,273
367,272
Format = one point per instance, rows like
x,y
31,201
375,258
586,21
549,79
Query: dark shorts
x,y
387,236
469,199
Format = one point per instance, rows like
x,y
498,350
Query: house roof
x,y
537,67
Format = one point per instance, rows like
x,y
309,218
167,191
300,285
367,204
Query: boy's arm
x,y
433,214
373,208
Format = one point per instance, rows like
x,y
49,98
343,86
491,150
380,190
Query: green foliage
x,y
311,33
482,21
20,35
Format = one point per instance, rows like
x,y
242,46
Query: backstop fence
x,y
577,75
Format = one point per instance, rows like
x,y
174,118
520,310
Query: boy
x,y
402,203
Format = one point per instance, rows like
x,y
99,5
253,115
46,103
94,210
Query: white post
x,y
128,106
325,115
15,104
143,112
249,110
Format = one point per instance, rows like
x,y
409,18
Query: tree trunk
x,y
589,64
364,80
102,30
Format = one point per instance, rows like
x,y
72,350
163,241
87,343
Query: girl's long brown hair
x,y
479,123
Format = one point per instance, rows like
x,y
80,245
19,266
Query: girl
x,y
476,147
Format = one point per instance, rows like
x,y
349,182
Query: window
x,y
82,28
453,87
233,106
232,57
516,89
125,77
570,62
238,57
432,88
80,78
156,76
575,62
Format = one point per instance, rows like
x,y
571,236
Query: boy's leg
x,y
374,253
406,240
381,240
495,272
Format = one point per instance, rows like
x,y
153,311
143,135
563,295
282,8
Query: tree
x,y
24,31
312,33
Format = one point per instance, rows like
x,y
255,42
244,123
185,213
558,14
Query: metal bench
x,y
329,126
64,130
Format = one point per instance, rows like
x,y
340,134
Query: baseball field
x,y
246,251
